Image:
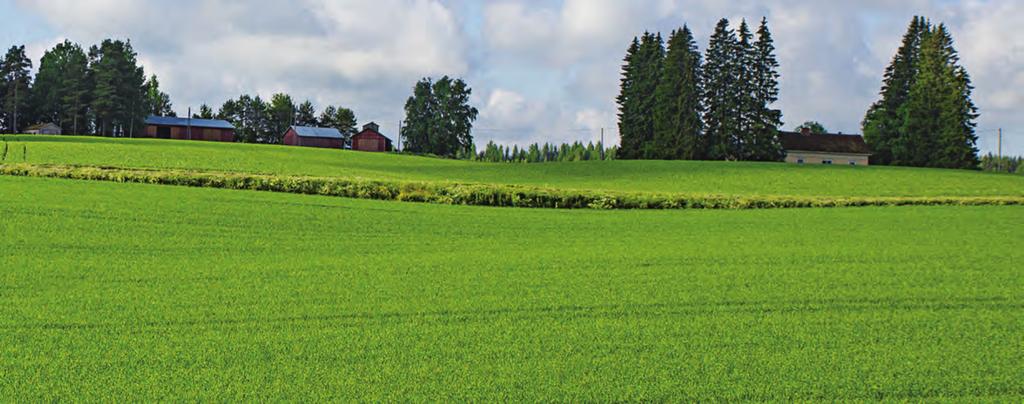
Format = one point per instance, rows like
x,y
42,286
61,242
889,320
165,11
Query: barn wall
x,y
795,157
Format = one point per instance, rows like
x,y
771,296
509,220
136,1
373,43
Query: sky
x,y
541,70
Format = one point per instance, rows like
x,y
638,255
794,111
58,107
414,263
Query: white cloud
x,y
542,70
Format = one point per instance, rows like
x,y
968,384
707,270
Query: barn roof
x,y
827,143
199,123
309,131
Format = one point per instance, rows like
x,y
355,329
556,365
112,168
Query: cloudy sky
x,y
541,70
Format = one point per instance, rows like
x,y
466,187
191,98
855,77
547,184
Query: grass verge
x,y
497,195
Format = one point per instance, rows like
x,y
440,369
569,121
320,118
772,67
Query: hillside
x,y
141,292
720,178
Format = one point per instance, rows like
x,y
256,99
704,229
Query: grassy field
x,y
126,291
720,178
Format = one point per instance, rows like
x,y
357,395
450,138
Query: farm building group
x,y
218,130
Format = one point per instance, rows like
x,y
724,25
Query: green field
x,y
719,178
129,292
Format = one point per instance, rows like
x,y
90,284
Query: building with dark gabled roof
x,y
169,127
805,147
371,140
314,137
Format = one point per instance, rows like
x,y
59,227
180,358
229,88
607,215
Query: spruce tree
x,y
157,102
764,130
305,115
742,95
883,122
677,114
15,79
628,101
938,117
720,77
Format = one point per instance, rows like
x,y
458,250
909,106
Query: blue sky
x,y
541,70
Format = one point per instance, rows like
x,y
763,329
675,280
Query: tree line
x,y
259,121
537,153
104,91
925,116
675,104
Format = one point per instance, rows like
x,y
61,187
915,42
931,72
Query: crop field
x,y
133,292
702,178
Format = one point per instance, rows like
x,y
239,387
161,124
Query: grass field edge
x,y
496,195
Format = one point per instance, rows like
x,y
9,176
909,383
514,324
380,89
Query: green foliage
x,y
813,126
157,102
281,113
763,134
15,93
251,118
205,112
118,102
340,118
535,153
691,177
1005,164
636,101
305,115
678,106
926,117
159,293
61,89
439,119
721,98
477,194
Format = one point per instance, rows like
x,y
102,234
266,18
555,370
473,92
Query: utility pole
x,y
999,163
602,144
189,123
15,128
398,146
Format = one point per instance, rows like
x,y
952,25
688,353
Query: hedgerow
x,y
474,194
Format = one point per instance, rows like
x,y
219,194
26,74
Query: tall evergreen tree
x,y
720,76
15,81
157,102
742,95
60,92
630,113
305,115
938,117
883,122
282,116
765,121
677,114
205,112
118,102
644,72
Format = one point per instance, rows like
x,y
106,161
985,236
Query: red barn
x,y
169,127
371,140
314,137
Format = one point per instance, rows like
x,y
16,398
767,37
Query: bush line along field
x,y
477,194
666,177
139,292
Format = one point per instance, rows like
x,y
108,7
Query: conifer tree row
x,y
715,108
925,116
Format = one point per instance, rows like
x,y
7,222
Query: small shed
x,y
805,147
169,127
371,140
314,137
44,129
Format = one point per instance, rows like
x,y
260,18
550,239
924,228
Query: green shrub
x,y
473,194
